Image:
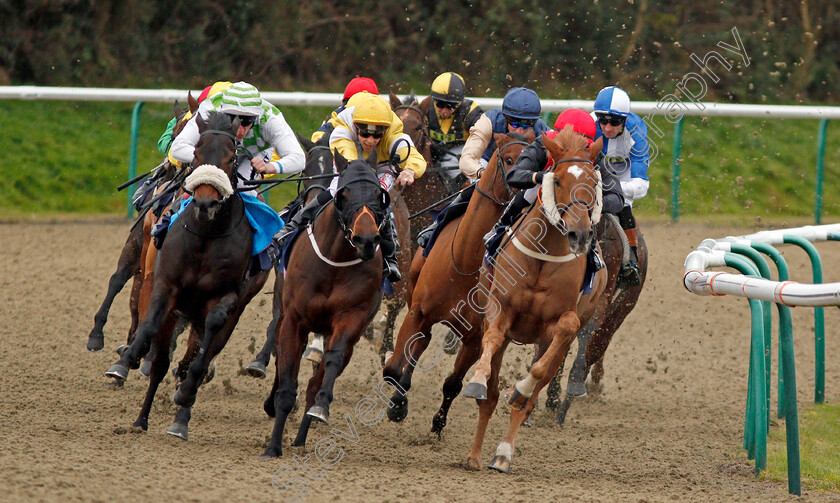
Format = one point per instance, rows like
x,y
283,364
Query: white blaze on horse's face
x,y
575,171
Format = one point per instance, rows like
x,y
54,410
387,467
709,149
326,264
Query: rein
x,y
500,164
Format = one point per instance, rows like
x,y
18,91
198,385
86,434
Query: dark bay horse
x,y
593,339
441,286
536,290
332,287
202,271
128,264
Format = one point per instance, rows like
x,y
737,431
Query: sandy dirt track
x,y
667,428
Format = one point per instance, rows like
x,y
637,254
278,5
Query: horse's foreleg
x,y
214,324
160,309
467,356
486,407
160,365
193,344
258,367
562,334
336,358
504,452
410,349
492,341
290,339
134,306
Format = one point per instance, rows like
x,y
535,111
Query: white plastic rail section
x,y
711,253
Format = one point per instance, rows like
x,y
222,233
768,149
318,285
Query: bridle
x,y
500,171
424,128
563,209
314,185
235,165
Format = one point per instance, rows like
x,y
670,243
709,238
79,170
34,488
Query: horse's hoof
x,y
515,399
120,349
500,463
256,369
117,371
211,372
472,463
146,368
178,430
181,399
271,453
576,389
438,423
594,388
560,418
475,390
451,343
398,412
95,343
319,413
142,424
313,354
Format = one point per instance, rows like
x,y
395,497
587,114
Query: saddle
x,y
446,215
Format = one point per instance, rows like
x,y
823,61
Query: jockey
x,y
450,120
354,87
528,170
627,156
262,129
164,143
368,124
520,111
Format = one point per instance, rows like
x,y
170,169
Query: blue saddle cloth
x,y
263,219
443,217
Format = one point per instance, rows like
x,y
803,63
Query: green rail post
x,y
818,198
791,413
132,153
755,422
819,317
764,271
784,275
675,172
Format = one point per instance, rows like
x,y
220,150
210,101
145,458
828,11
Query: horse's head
x,y
415,124
215,158
508,148
361,203
319,161
571,191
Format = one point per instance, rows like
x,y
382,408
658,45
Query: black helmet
x,y
448,87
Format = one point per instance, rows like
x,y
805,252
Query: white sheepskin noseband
x,y
210,175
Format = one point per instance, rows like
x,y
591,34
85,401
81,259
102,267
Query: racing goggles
x,y
520,123
244,120
612,120
446,104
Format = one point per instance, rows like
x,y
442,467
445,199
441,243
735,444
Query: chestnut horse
x,y
536,290
332,287
128,265
441,285
201,271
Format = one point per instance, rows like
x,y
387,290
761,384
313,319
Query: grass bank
x,y
61,157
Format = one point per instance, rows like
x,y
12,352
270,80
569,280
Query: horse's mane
x,y
518,136
569,140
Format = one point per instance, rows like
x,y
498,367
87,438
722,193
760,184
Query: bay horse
x,y
594,338
440,286
536,290
332,287
201,271
319,162
128,264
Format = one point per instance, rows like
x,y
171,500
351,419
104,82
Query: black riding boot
x,y
426,234
388,246
493,238
629,274
304,216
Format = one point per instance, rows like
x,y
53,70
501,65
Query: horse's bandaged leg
x,y
526,386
